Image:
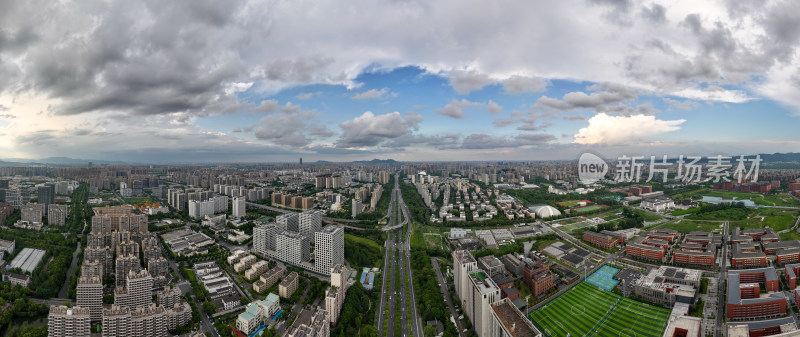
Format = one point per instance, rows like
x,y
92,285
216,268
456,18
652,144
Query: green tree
x,y
209,307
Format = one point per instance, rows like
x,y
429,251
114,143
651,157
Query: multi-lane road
x,y
397,285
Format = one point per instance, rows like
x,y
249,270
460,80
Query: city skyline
x,y
251,82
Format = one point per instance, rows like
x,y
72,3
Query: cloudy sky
x,y
256,81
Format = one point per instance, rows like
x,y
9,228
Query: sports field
x,y
589,208
587,311
603,278
573,203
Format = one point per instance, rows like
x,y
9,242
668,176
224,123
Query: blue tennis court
x,y
604,278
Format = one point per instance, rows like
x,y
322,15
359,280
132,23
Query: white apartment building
x,y
463,264
329,249
292,247
334,296
239,207
309,223
264,238
288,222
477,304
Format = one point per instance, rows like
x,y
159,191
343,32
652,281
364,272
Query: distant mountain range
x,y
791,157
55,161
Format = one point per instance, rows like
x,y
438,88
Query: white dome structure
x,y
546,211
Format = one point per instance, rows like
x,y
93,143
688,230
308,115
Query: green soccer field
x,y
589,208
590,311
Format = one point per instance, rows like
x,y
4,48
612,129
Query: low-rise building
x,y
288,285
272,276
666,286
17,279
257,312
256,270
599,239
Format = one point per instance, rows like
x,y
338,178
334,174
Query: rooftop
x,y
513,319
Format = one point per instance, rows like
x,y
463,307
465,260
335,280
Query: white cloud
x,y
371,130
372,94
493,107
466,81
455,108
606,129
522,84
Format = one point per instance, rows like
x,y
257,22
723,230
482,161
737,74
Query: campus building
x,y
463,264
538,277
477,304
745,256
599,239
744,298
667,285
508,321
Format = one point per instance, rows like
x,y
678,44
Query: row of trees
x,y
14,305
358,313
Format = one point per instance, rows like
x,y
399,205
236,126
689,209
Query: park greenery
x,y
359,251
48,277
15,305
430,301
358,313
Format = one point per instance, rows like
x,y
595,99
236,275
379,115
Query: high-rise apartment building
x,y
334,296
288,221
292,247
116,321
47,194
33,212
103,255
150,321
383,177
357,207
328,249
239,207
68,322
309,223
138,290
124,265
463,265
89,294
57,215
264,238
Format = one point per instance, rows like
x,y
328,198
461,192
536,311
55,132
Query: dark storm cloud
x,y
141,58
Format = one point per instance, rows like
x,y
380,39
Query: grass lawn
x,y
777,219
690,226
792,235
590,311
760,199
577,225
678,212
589,208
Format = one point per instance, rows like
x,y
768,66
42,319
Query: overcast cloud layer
x,y
156,80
